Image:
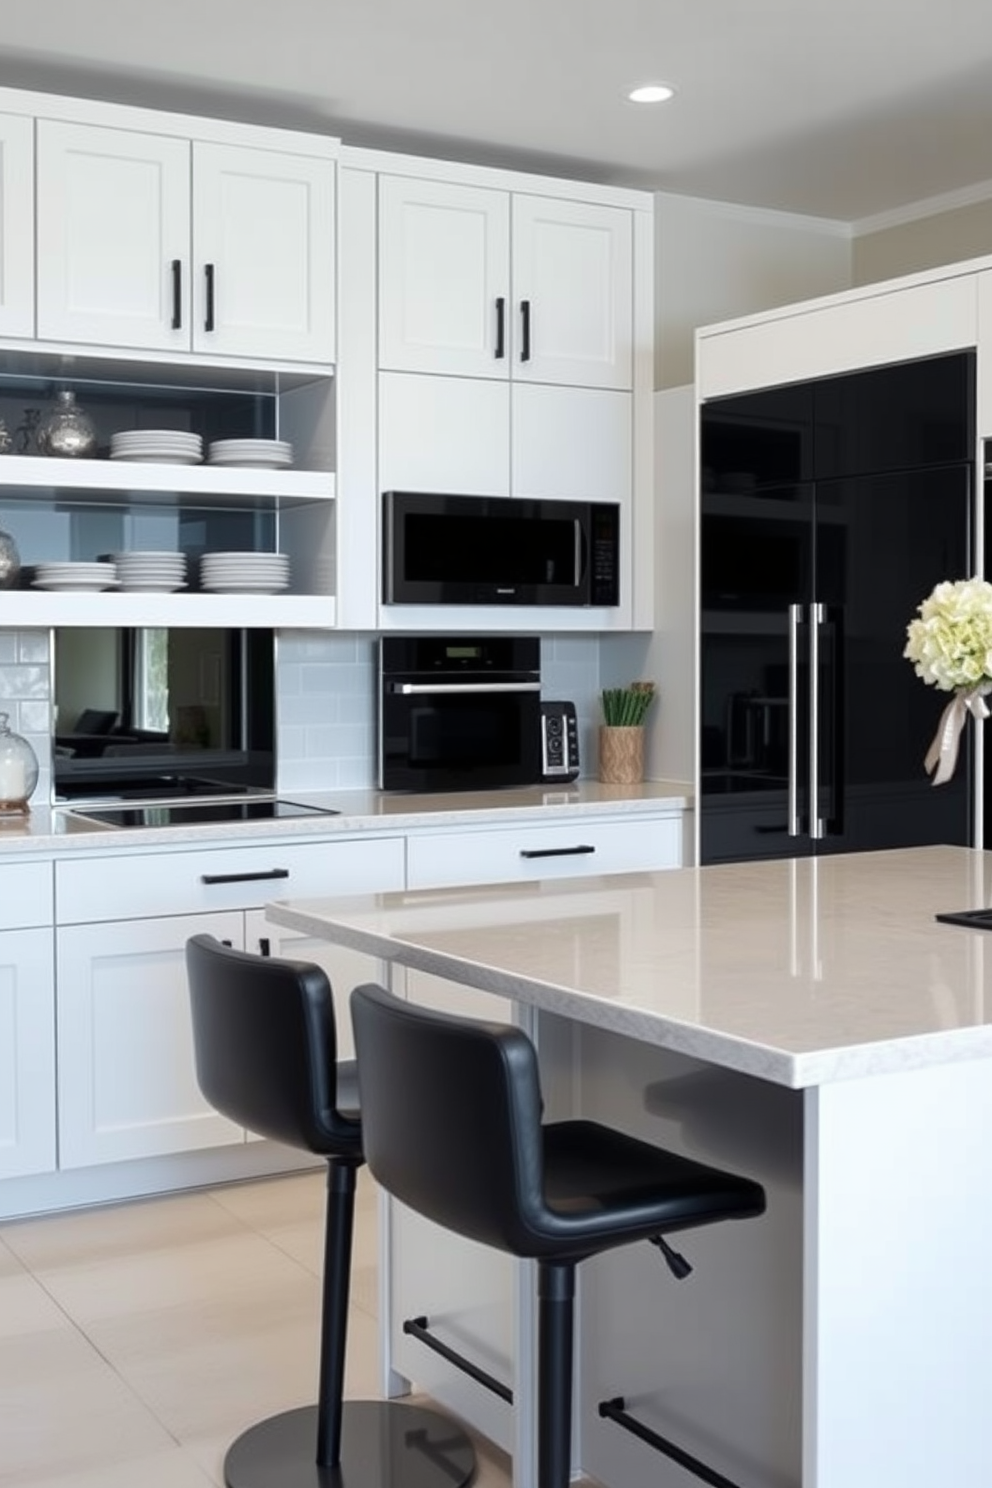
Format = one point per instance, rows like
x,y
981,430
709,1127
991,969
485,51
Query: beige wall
x,y
715,261
911,247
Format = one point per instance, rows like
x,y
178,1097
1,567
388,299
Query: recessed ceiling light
x,y
651,93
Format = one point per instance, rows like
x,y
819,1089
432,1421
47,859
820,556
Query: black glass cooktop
x,y
184,815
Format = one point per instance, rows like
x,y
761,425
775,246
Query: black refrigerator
x,y
828,512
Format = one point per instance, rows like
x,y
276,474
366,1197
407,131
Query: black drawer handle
x,y
216,878
556,852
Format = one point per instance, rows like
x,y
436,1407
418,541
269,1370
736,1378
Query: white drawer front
x,y
25,895
208,879
512,854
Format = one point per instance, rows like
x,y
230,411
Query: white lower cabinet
x,y
27,1053
27,1021
126,1079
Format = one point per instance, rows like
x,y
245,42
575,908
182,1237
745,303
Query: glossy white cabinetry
x,y
263,236
127,1087
572,292
149,241
531,852
126,1081
113,219
895,322
27,1021
444,278
479,282
16,218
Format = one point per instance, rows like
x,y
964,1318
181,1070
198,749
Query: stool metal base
x,y
384,1444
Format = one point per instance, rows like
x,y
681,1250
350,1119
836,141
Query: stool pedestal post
x,y
334,1308
555,1324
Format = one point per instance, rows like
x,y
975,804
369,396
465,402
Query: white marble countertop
x,y
799,971
60,829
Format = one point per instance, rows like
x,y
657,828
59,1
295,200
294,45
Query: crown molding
x,y
931,206
763,216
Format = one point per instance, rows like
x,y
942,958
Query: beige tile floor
x,y
137,1340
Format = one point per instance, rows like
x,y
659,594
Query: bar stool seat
x,y
265,1047
452,1121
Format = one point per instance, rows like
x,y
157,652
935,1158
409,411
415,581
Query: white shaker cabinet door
x,y
113,237
27,1053
263,253
572,293
126,1078
16,226
443,278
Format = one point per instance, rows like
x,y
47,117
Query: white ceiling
x,y
838,108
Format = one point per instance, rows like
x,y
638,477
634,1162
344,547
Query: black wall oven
x,y
457,550
458,713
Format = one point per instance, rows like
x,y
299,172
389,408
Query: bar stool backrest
x,y
265,1046
451,1113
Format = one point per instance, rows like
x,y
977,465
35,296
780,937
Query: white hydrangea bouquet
x,y
950,646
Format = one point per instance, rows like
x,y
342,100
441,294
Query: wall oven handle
x,y
817,615
793,807
421,689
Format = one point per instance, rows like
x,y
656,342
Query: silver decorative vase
x,y
10,562
67,431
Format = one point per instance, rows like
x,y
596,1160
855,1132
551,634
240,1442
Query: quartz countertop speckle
x,y
798,971
57,830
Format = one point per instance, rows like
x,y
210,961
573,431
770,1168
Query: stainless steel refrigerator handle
x,y
794,612
411,689
817,615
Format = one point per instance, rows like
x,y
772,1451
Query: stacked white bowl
x,y
244,573
164,446
151,571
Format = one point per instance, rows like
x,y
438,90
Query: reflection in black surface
x,y
168,815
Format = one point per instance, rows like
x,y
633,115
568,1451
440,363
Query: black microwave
x,y
471,550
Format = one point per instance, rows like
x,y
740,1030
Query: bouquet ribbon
x,y
942,756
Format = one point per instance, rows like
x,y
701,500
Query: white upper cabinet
x,y
113,237
160,243
444,278
479,282
16,217
572,293
263,254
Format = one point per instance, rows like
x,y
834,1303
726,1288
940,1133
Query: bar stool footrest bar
x,y
615,1410
419,1328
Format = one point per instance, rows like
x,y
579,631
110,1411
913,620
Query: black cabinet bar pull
x,y
218,878
500,351
177,294
556,852
525,327
264,946
208,274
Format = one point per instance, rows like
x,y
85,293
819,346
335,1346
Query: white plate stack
x,y
244,573
89,577
266,454
151,571
164,446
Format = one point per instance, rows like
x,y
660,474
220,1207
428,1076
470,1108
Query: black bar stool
x,y
451,1113
266,1056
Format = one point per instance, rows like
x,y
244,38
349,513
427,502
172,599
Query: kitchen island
x,y
806,1022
